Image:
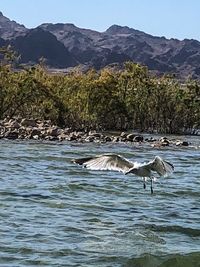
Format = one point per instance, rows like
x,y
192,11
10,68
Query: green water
x,y
54,213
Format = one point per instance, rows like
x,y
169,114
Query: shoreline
x,y
32,129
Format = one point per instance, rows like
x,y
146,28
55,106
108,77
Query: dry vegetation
x,y
108,99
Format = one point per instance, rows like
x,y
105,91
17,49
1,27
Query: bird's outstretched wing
x,y
162,167
111,162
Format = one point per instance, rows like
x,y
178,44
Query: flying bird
x,y
114,162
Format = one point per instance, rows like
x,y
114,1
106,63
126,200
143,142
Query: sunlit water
x,y
54,213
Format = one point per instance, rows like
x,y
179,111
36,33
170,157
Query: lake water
x,y
55,213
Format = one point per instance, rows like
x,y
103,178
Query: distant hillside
x,y
65,45
10,29
37,44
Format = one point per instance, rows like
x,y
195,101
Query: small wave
x,y
175,228
25,195
171,260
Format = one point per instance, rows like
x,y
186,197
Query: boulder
x,y
138,138
55,131
35,137
89,138
28,122
94,134
164,141
150,140
62,137
67,130
15,125
36,131
2,129
11,135
130,137
71,137
53,138
182,143
116,139
107,139
27,130
12,123
123,135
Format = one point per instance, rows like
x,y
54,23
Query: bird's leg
x,y
144,182
151,185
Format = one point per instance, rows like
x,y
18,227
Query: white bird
x,y
113,162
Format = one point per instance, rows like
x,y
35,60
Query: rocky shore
x,y
26,129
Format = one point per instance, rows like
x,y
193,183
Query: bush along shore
x,y
108,99
31,129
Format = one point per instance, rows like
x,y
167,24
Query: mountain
x,y
119,44
10,29
34,44
65,45
37,44
2,42
86,45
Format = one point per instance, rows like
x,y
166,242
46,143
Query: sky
x,y
170,18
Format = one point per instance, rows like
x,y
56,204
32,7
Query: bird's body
x,y
142,171
115,162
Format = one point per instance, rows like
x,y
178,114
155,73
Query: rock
x,y
28,123
78,135
130,137
182,143
71,137
107,139
2,129
164,141
15,125
11,135
28,130
66,130
116,139
61,137
157,145
138,138
96,135
47,123
123,135
12,123
36,131
52,138
21,136
5,120
40,124
89,138
35,137
150,140
54,131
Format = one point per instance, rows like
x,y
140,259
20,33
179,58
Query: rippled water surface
x,y
54,213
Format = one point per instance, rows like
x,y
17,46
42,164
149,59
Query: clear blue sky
x,y
170,18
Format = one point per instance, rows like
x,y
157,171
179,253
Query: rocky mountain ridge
x,y
65,45
10,29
